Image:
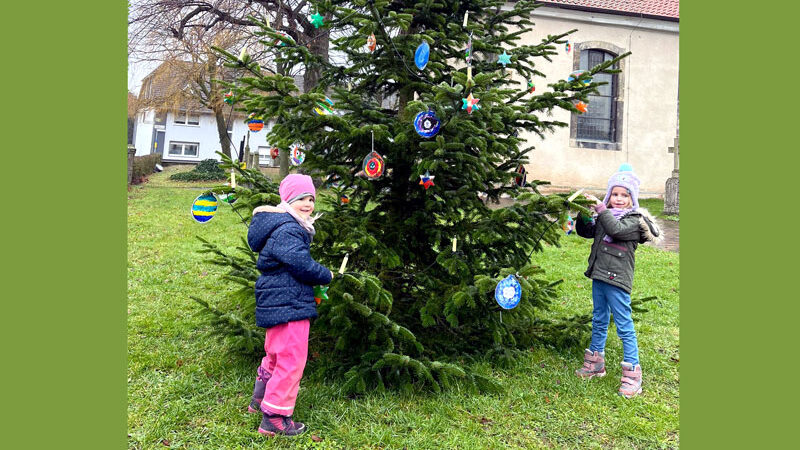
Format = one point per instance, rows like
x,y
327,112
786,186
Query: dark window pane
x,y
594,129
605,89
175,149
599,107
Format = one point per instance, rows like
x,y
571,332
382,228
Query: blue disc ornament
x,y
508,292
422,54
204,207
427,124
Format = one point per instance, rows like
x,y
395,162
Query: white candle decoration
x,y
454,244
344,264
575,195
466,15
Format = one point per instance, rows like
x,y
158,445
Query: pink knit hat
x,y
296,186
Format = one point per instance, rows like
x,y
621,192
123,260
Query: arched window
x,y
601,126
597,124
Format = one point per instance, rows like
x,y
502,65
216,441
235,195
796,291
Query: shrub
x,y
144,166
206,170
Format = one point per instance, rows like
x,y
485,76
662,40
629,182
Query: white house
x,y
188,136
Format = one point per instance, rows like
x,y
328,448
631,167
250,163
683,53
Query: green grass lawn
x,y
188,390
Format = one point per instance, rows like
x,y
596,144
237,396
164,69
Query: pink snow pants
x,y
286,346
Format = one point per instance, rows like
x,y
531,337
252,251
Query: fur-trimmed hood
x,y
650,229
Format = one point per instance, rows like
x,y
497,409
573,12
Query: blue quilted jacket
x,y
285,289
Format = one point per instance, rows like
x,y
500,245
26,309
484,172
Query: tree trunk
x,y
222,131
319,45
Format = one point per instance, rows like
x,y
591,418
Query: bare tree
x,y
183,30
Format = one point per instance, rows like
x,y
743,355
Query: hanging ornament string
x,y
399,56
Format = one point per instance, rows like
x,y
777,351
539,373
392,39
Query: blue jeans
x,y
611,299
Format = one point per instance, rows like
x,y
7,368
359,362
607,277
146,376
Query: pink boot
x,y
594,365
631,380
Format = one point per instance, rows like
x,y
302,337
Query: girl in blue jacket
x,y
284,300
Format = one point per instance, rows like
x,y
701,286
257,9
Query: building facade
x,y
634,118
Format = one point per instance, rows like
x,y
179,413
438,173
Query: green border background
x,y
739,172
64,148
64,326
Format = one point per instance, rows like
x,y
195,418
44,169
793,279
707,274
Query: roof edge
x,y
606,11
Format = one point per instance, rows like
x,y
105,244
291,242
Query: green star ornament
x,y
320,293
316,20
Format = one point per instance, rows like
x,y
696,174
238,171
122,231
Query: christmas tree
x,y
416,152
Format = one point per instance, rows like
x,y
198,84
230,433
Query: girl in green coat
x,y
617,229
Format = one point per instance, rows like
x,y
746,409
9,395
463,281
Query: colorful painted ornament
x,y
274,152
228,97
422,55
316,20
582,107
373,165
504,59
521,178
371,43
508,292
470,103
325,107
254,123
567,47
281,42
296,155
320,293
345,199
427,124
531,86
204,207
426,180
574,76
568,226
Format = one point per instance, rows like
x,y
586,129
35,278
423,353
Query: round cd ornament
x,y
373,165
254,123
574,76
568,226
280,42
422,54
521,178
325,107
427,124
204,207
508,292
296,155
567,47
